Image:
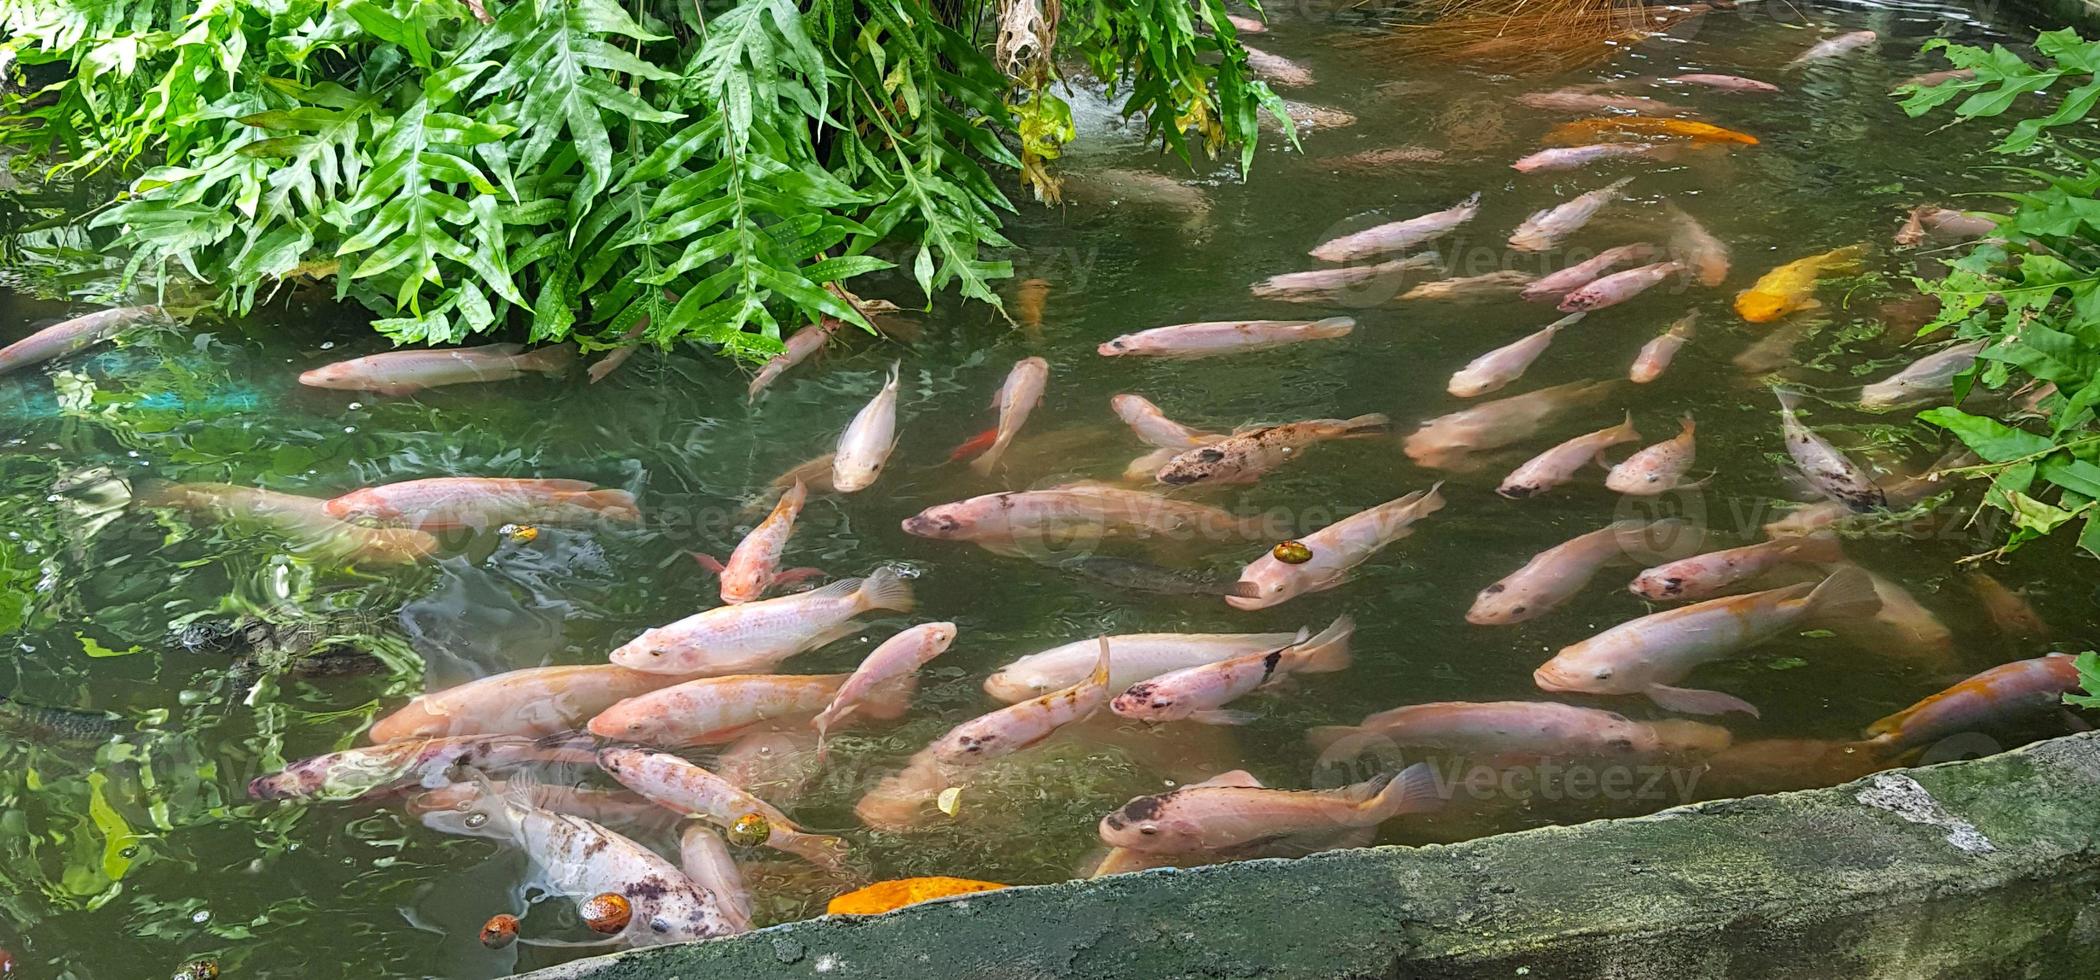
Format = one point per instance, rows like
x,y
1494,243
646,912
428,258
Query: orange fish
x,y
1792,286
887,896
1028,302
975,445
1583,132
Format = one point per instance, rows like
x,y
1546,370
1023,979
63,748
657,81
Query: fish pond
x,y
163,654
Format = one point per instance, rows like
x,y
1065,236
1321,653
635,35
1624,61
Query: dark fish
x,y
55,726
1138,576
1832,473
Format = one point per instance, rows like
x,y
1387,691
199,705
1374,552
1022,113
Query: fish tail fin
x,y
896,372
975,445
557,359
1847,260
1848,594
822,850
1328,650
1685,426
1789,399
1471,202
1367,425
1624,431
1414,790
989,459
1099,678
1618,185
887,589
1817,549
1332,327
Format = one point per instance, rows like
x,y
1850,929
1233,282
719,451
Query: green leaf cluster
x,y
2033,289
669,170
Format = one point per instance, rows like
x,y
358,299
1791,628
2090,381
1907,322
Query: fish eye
x,y
1604,673
475,821
1497,587
659,925
1516,610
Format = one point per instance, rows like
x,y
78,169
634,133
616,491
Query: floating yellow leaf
x,y
884,896
949,800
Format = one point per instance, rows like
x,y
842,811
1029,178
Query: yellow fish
x,y
1583,132
884,896
1791,286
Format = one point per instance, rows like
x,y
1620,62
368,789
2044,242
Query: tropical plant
x,y
706,171
2032,289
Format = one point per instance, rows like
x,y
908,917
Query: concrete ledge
x,y
1980,869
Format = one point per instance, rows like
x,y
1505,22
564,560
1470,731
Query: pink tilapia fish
x,y
1775,350
1025,723
1656,469
1540,729
1188,340
1704,257
670,781
1502,422
1120,860
73,335
1544,229
1472,289
1555,575
704,857
409,371
800,345
1558,465
1928,377
1247,25
1378,160
1649,655
1944,224
603,367
1725,83
1618,287
1932,78
1307,116
894,662
1554,285
2024,697
600,806
1714,573
758,635
754,566
451,503
1200,693
376,770
580,859
1336,550
1245,455
1577,157
1902,628
302,521
1277,69
1497,368
1832,473
1578,100
1397,236
1014,522
1209,818
1018,396
716,710
1842,44
1154,428
2008,611
1373,283
865,446
532,701
1656,355
1142,656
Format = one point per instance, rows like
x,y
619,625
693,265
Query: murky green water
x,y
128,858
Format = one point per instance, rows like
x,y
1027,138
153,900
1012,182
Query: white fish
x,y
1154,428
1551,287
1833,47
1544,229
1397,236
705,858
1210,818
1507,363
1022,724
754,636
1927,377
1656,355
1711,574
1832,473
1555,575
1017,397
1372,283
1200,693
1139,656
1557,465
1658,468
898,656
1336,549
866,444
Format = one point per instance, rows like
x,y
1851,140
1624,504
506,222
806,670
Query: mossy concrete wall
x,y
1980,869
